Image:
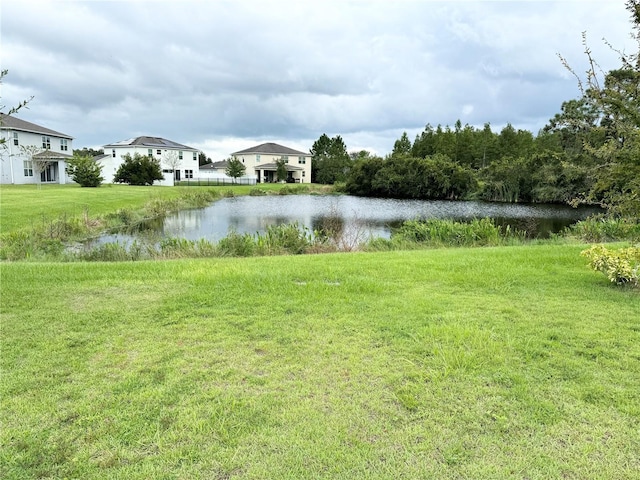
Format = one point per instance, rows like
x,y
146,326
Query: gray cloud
x,y
223,75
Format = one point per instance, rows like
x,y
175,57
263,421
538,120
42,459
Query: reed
x,y
602,228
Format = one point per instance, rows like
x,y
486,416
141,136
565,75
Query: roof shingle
x,y
270,149
10,122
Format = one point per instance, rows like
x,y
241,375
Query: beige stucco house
x,y
260,161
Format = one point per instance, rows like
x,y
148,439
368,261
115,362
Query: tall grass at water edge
x,y
441,232
292,239
50,236
600,228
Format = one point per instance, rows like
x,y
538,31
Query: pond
x,y
373,216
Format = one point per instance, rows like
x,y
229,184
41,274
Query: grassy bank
x,y
27,206
513,362
39,224
49,224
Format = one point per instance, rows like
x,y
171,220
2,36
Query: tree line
x,y
589,152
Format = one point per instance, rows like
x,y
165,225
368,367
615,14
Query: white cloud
x,y
223,76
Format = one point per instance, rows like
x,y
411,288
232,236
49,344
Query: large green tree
x,y
138,170
614,137
330,161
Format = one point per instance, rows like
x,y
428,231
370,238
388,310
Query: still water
x,y
377,217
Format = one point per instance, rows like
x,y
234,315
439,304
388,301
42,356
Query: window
x,y
285,158
113,153
46,142
188,174
64,145
158,152
15,138
195,157
28,168
258,158
180,154
302,160
303,173
150,152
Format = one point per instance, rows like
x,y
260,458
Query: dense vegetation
x,y
138,170
587,153
463,162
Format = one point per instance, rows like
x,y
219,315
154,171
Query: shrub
x,y
340,187
138,170
619,266
286,190
85,171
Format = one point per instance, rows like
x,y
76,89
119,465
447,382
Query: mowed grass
x,y
510,362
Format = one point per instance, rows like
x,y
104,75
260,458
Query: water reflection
x,y
254,214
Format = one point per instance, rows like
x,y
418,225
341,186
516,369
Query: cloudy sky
x,y
221,76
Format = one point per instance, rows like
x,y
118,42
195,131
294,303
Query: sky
x,y
222,76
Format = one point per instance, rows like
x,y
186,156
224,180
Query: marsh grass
x,y
293,239
442,232
50,237
602,228
500,362
24,206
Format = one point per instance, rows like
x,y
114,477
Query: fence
x,y
205,182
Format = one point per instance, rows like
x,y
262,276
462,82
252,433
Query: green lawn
x,y
23,206
511,362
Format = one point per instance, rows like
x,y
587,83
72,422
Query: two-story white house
x,y
261,162
31,153
178,162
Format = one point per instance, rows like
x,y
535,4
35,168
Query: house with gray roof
x,y
260,161
178,162
32,153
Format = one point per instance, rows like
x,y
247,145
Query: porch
x,y
267,173
50,166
